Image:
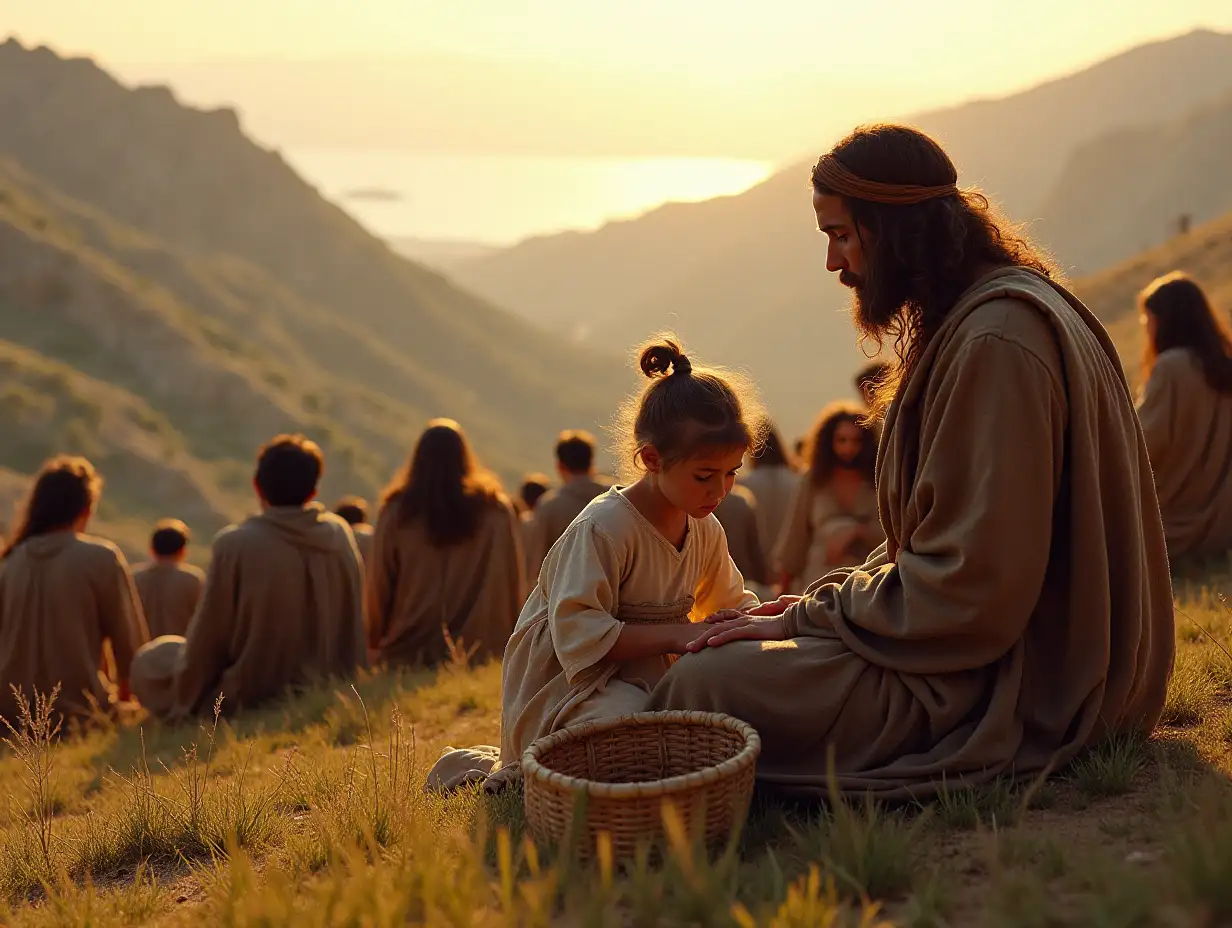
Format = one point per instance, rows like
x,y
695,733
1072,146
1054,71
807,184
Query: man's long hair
x,y
1184,318
918,258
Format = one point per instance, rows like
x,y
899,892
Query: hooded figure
x,y
281,608
61,596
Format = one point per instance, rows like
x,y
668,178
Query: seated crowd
x,y
995,512
296,593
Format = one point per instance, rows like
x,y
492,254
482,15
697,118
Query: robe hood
x,y
309,527
49,545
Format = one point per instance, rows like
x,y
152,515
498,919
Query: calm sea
x,y
502,199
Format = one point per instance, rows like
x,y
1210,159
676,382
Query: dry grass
x,y
311,813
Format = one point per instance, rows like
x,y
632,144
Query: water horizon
x,y
495,201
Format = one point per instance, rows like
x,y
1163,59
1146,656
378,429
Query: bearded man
x,y
1021,607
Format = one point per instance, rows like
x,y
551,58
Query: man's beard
x,y
874,305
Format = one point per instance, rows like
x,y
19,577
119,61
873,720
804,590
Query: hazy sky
x,y
768,81
957,46
914,53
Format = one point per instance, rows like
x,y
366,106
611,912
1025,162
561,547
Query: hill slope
x,y
741,276
1205,253
156,251
1123,192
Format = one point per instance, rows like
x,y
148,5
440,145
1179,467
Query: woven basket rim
x,y
534,770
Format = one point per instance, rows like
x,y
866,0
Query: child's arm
x,y
638,641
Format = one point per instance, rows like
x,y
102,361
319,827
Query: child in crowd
x,y
169,587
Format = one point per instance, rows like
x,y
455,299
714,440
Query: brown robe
x,y
1021,607
169,595
416,589
738,516
61,596
554,513
282,607
1188,428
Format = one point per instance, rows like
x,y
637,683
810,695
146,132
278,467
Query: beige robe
x,y
416,589
1021,607
61,596
1188,428
738,516
282,608
610,567
773,488
816,516
169,595
554,513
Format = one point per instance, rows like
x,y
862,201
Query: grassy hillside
x,y
743,277
311,813
1124,192
158,251
1205,252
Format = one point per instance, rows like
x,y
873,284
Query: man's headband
x,y
829,174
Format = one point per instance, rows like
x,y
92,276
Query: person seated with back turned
x,y
63,594
446,577
534,487
1186,414
169,588
575,462
282,606
353,510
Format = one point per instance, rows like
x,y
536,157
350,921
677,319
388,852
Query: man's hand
x,y
772,608
745,628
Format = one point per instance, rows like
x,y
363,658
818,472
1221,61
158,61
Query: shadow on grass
x,y
331,705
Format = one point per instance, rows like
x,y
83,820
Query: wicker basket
x,y
629,768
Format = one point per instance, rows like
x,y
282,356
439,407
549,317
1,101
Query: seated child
x,y
620,589
169,588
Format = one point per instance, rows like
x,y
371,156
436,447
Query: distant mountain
x,y
161,269
743,277
1125,191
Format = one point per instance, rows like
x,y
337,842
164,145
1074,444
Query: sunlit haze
x,y
493,120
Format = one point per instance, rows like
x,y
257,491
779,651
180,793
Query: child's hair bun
x,y
662,356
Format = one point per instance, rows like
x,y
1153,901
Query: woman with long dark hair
x,y
62,594
1186,413
833,517
447,557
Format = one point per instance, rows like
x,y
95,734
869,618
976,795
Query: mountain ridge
x,y
186,275
744,275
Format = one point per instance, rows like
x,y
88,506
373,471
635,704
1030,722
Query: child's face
x,y
698,484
